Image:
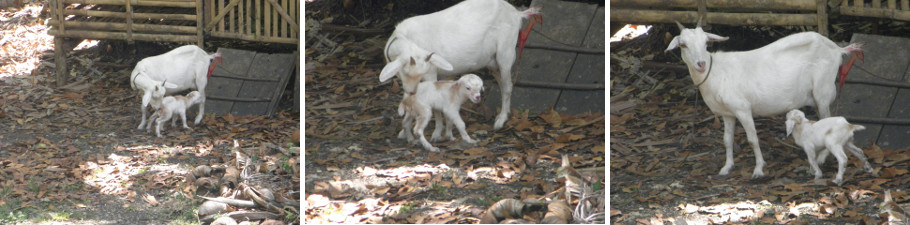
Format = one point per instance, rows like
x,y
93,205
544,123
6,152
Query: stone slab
x,y
566,23
257,78
887,57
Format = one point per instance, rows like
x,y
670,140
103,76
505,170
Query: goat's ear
x,y
714,37
439,62
169,85
390,70
673,44
790,124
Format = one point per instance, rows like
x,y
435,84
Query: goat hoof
x,y
434,149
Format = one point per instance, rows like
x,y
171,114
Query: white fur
x,y
443,96
831,134
183,68
468,36
795,71
171,105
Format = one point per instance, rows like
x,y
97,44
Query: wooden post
x,y
249,21
258,19
702,12
267,25
60,60
129,22
905,4
822,16
199,24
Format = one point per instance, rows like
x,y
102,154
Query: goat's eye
x,y
682,45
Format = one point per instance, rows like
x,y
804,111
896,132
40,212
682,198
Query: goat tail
x,y
856,127
533,11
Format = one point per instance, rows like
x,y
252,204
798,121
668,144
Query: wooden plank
x,y
655,16
123,27
230,19
60,60
805,5
878,13
159,3
239,18
253,37
293,14
122,36
285,16
129,22
284,25
905,4
267,23
247,20
892,4
258,18
220,16
876,4
157,16
822,17
200,41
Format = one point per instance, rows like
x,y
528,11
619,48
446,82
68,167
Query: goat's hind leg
x,y
838,152
441,124
859,154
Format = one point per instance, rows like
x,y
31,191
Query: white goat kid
x,y
468,36
831,134
795,71
186,67
171,105
444,96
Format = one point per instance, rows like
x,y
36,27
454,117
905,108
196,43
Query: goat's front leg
x,y
407,127
729,127
859,154
201,109
183,118
452,115
146,98
813,163
746,120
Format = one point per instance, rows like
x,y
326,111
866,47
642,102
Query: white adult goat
x,y
795,71
831,134
185,67
466,37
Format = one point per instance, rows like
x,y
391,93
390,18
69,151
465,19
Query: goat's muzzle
x,y
700,66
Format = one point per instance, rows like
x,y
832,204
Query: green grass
x,y
407,207
440,190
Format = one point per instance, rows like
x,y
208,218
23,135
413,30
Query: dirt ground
x,y
358,171
73,155
667,148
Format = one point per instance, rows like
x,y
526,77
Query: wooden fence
x,y
254,20
172,21
875,9
727,12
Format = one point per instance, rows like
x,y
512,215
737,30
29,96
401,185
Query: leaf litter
x,y
358,171
75,149
666,149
